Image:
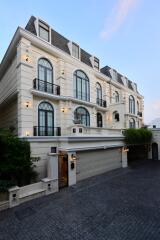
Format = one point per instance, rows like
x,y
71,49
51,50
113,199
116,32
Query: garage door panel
x,y
95,172
91,163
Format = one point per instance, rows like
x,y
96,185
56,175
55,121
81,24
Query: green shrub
x,y
4,185
138,136
15,161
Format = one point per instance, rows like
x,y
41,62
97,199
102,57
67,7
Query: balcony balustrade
x,y
46,131
101,102
45,86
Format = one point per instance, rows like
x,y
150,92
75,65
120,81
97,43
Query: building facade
x,y
54,94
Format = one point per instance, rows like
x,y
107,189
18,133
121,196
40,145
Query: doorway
x,y
63,170
154,151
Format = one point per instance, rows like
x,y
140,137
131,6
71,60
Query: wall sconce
x,y
73,157
64,110
27,133
62,72
125,149
27,104
27,58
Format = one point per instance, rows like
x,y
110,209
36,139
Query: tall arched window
x,y
99,93
116,97
45,119
45,75
99,120
81,86
132,123
131,104
138,110
82,115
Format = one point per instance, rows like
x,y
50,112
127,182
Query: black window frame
x,y
99,91
116,96
78,116
99,120
132,123
78,81
131,104
45,127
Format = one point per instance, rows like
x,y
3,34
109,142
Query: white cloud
x,y
118,15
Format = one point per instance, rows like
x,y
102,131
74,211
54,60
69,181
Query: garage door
x,y
91,163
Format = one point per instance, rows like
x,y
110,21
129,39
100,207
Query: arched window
x,y
116,97
138,109
131,123
45,75
116,116
99,120
81,86
131,104
99,93
81,115
45,119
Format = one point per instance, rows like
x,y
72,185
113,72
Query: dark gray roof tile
x,y
30,25
119,78
106,71
85,57
130,85
59,41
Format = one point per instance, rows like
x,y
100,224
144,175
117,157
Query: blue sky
x,y
124,34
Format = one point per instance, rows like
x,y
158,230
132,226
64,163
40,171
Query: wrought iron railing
x,y
46,131
101,102
46,86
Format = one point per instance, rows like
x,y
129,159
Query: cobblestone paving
x,y
120,205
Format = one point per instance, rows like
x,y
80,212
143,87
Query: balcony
x,y
46,131
101,102
44,86
139,114
80,130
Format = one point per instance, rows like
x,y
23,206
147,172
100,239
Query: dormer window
x,y
114,75
75,50
96,63
44,31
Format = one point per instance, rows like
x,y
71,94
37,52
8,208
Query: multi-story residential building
x,y
54,93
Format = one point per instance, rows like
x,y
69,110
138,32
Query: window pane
x,y
82,115
87,91
43,33
41,73
96,63
75,50
45,75
81,86
50,119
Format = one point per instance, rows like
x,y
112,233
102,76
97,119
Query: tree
x,y
138,136
16,165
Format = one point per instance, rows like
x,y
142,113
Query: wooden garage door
x,y
91,163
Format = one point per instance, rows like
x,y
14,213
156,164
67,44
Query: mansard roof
x,y
106,71
61,42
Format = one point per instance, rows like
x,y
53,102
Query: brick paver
x,y
120,205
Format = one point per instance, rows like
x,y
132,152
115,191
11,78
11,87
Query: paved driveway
x,y
123,204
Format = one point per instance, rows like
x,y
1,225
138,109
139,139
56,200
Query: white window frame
x,y
94,61
79,52
37,30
